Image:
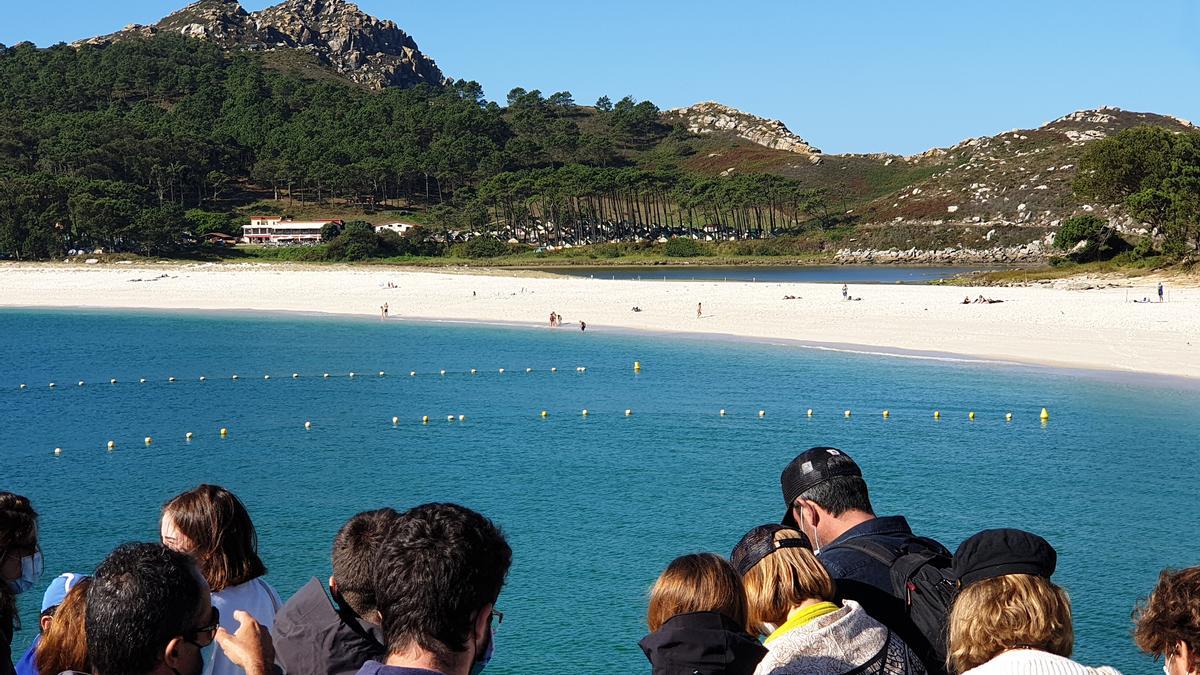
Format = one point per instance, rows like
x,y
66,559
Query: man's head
x,y
825,494
148,611
438,574
354,548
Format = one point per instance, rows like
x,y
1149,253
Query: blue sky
x,y
847,75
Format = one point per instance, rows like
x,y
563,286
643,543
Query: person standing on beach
x,y
699,310
582,326
827,499
553,323
845,292
385,310
1160,292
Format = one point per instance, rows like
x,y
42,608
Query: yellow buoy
x,y
1045,414
58,451
971,415
462,418
847,413
762,413
809,412
425,419
307,425
395,420
149,440
886,414
1007,417
628,412
224,432
637,366
545,414
937,415
187,436
112,444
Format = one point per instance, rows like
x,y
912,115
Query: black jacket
x,y
312,637
701,643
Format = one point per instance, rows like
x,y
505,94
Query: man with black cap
x,y
826,498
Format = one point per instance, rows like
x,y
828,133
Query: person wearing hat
x,y
826,498
55,593
790,599
1008,617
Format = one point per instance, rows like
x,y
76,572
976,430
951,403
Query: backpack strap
x,y
869,547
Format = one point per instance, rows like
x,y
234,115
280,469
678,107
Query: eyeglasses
x,y
499,618
204,635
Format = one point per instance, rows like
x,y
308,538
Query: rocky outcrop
x,y
358,46
711,117
1034,251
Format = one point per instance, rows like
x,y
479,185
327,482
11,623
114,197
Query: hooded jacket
x,y
313,638
844,641
701,643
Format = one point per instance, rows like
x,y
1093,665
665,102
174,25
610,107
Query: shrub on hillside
x,y
1100,240
485,247
685,248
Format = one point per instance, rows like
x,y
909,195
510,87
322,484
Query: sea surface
x,y
594,507
823,274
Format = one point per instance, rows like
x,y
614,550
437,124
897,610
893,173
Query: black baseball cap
x,y
995,553
760,543
813,467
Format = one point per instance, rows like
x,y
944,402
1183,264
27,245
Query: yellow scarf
x,y
802,617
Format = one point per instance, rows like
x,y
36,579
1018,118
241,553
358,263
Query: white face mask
x,y
771,628
31,571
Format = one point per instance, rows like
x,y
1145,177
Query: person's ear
x,y
333,587
482,621
1184,655
173,656
45,622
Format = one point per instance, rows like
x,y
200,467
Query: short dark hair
x,y
840,494
437,567
354,556
142,596
220,528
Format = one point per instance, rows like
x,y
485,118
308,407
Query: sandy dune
x,y
1099,328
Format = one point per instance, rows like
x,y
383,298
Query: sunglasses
x,y
204,635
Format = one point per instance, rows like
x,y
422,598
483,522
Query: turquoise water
x,y
822,274
594,508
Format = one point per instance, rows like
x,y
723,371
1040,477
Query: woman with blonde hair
x,y
63,645
211,524
1008,616
790,599
697,619
1168,622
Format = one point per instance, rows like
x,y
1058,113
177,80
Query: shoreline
x,y
1077,330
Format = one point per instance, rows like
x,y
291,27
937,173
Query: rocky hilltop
x,y
356,45
711,118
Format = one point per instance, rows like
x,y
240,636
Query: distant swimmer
x,y
383,311
699,310
553,322
582,326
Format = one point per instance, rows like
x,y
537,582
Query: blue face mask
x,y
31,571
481,661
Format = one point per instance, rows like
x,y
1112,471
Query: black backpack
x,y
922,580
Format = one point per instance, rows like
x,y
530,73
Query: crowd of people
x,y
831,589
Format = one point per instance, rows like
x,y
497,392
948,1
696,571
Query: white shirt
x,y
1035,662
256,597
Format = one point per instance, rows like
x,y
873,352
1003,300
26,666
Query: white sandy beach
x,y
1094,329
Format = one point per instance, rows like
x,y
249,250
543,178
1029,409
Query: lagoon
x,y
826,274
594,508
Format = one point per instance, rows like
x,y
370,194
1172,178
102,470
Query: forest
x,y
143,145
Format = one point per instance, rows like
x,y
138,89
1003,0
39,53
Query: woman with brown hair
x,y
212,525
20,566
697,619
1008,617
63,646
790,598
1168,623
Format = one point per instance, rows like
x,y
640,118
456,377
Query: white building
x,y
275,230
398,228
